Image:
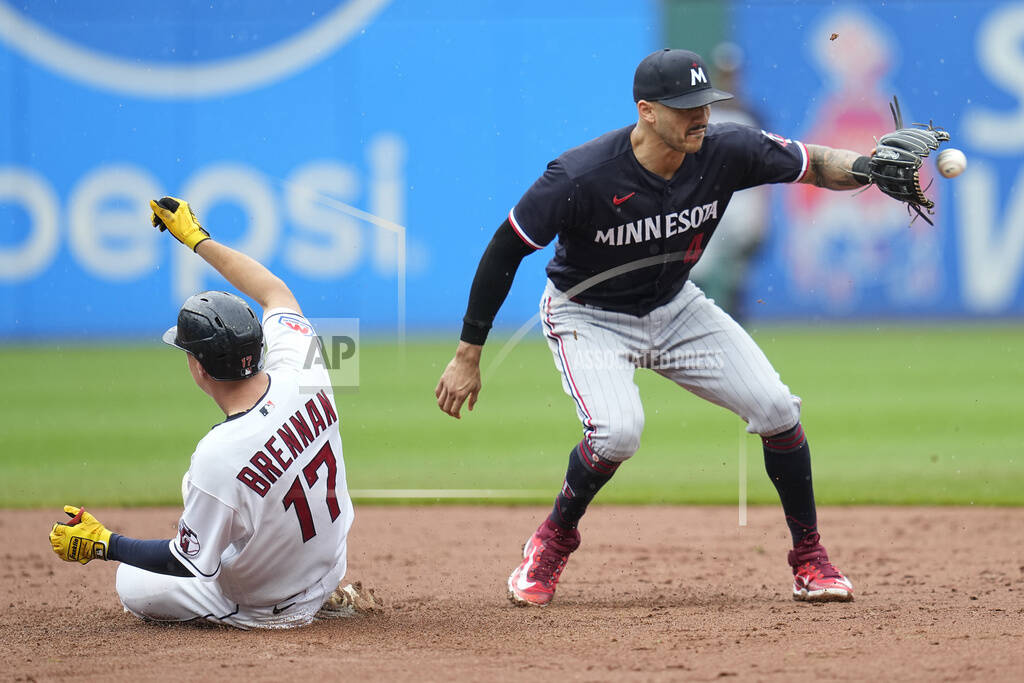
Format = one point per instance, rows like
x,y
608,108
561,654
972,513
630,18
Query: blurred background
x,y
366,150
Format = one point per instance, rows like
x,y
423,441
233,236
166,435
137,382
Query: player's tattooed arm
x,y
831,168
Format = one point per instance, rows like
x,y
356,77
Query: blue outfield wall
x,y
824,72
311,134
271,118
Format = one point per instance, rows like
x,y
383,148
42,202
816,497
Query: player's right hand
x,y
175,215
460,380
81,539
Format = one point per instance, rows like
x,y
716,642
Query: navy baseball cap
x,y
675,78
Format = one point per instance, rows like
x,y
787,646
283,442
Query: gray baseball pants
x,y
689,340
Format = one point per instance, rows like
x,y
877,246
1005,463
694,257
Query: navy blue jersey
x,y
611,215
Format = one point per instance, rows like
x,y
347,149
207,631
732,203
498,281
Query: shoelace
x,y
549,565
814,560
820,569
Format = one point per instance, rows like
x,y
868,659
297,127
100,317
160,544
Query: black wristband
x,y
860,170
474,333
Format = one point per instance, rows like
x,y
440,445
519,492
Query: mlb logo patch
x,y
267,408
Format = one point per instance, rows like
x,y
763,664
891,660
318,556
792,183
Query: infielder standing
x,y
632,212
262,539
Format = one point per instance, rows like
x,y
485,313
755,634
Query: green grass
x,y
894,414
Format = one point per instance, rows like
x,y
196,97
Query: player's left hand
x,y
460,381
896,159
175,215
80,539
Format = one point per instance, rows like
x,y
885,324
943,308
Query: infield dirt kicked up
x,y
653,594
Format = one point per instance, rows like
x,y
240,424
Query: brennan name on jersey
x,y
273,466
649,228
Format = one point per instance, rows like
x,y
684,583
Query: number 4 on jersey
x,y
695,249
296,496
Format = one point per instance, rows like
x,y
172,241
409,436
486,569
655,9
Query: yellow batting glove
x,y
175,215
81,539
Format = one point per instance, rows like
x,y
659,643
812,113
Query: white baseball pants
x,y
163,598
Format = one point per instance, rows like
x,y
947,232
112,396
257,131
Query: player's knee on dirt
x,y
138,595
130,590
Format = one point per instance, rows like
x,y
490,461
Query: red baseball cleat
x,y
544,557
815,579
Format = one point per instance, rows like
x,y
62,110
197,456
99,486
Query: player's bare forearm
x,y
831,168
469,353
247,274
460,380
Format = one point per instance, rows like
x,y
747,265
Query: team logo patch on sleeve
x,y
188,542
778,139
296,324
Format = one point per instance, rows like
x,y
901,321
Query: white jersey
x,y
267,509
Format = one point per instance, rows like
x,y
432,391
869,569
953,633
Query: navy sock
x,y
787,459
583,479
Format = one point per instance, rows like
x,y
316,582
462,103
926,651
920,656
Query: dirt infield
x,y
654,593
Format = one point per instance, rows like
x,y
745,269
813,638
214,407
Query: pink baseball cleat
x,y
815,579
544,556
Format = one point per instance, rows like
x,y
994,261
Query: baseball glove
x,y
894,166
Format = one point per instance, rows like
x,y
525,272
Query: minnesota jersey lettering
x,y
581,200
646,229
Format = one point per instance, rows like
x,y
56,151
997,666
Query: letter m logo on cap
x,y
697,76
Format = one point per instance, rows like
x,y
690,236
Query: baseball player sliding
x,y
632,212
261,542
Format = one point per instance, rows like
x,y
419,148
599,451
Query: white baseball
x,y
951,162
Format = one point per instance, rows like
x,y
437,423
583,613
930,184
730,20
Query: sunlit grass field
x,y
926,414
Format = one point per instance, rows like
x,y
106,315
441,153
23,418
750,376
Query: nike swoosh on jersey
x,y
616,199
278,610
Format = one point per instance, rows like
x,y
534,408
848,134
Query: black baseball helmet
x,y
222,332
